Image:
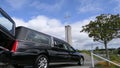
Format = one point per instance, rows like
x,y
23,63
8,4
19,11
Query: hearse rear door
x,y
7,30
7,25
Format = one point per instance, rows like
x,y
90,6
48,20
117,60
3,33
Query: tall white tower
x,y
68,35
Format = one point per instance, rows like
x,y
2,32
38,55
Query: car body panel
x,y
60,55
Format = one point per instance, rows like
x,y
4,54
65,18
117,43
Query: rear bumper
x,y
17,58
5,56
22,58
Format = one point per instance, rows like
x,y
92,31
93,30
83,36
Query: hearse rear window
x,y
38,37
6,23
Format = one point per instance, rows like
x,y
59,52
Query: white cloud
x,y
114,43
19,22
55,28
80,40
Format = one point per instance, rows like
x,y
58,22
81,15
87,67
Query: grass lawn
x,y
113,57
104,64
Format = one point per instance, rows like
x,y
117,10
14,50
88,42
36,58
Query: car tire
x,y
41,62
81,61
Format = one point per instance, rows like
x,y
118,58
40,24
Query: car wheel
x,y
41,62
81,61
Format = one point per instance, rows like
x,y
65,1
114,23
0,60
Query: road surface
x,y
86,65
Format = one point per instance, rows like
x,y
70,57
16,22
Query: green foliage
x,y
114,57
104,28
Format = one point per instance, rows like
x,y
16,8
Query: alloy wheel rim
x,y
42,62
81,61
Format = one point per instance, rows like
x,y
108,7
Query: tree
x,y
103,29
118,50
97,48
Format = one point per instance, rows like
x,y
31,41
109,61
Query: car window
x,y
70,48
59,44
65,47
38,37
6,23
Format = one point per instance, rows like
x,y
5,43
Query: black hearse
x,y
23,46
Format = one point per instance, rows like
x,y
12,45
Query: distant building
x,y
68,35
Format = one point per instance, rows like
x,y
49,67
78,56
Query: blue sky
x,y
77,9
48,16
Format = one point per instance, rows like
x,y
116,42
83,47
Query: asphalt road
x,y
86,65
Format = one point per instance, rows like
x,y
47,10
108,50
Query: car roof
x,y
22,27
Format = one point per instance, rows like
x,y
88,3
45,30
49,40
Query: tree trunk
x,y
106,50
107,53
